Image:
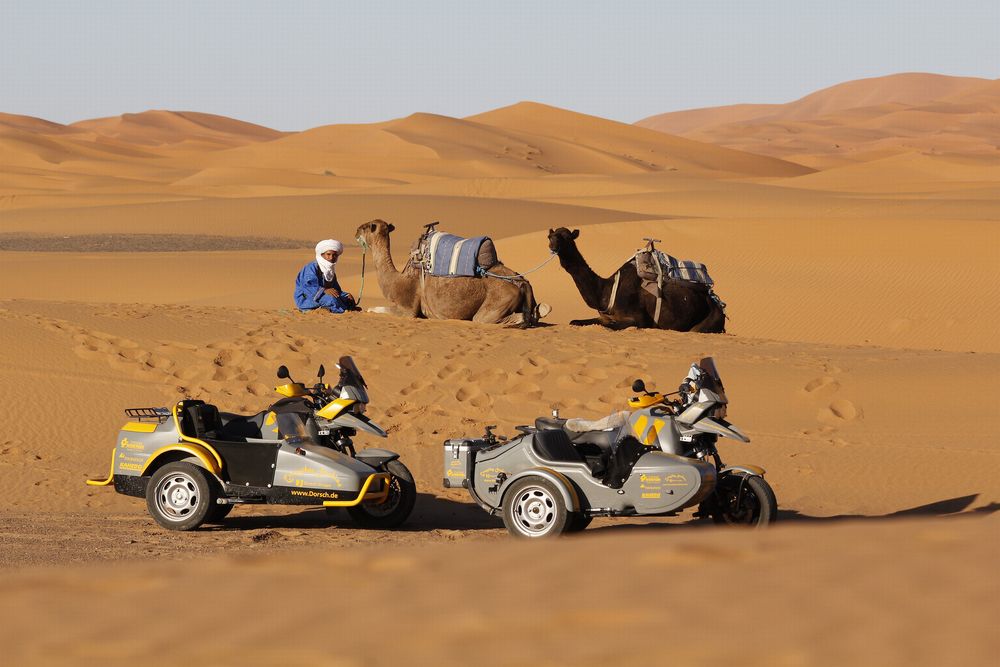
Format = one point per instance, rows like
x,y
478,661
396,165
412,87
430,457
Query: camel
x,y
486,299
686,306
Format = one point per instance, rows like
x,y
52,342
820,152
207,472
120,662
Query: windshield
x,y
352,384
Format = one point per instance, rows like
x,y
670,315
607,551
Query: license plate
x,y
325,431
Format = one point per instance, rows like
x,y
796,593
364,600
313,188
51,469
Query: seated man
x,y
316,286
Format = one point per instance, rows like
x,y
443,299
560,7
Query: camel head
x,y
562,238
374,230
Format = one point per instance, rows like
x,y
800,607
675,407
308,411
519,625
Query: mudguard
x,y
359,422
748,469
376,457
566,488
719,427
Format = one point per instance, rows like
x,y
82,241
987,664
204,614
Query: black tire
x,y
218,513
396,508
757,505
533,507
180,496
578,521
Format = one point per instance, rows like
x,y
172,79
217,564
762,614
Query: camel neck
x,y
395,286
592,287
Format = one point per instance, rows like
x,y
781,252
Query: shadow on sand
x,y
429,513
952,507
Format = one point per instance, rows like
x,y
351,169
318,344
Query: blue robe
x,y
309,294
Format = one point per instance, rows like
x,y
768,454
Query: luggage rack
x,y
159,415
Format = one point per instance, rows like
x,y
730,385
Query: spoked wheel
x,y
397,506
180,496
534,507
744,500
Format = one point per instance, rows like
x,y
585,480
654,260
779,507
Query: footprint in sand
x,y
414,387
840,410
821,387
452,370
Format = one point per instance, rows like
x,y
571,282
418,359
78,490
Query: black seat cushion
x,y
554,445
205,419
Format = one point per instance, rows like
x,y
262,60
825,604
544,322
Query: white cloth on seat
x,y
612,421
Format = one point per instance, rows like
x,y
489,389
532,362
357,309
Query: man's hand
x,y
332,292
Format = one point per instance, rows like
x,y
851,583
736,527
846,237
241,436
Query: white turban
x,y
327,268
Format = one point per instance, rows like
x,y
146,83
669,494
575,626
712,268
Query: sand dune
x,y
856,121
853,236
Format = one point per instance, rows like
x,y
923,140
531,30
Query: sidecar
x,y
543,484
192,464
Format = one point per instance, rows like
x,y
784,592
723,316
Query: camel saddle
x,y
655,267
446,255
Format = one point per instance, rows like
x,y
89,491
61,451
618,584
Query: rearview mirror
x,y
283,371
638,386
321,372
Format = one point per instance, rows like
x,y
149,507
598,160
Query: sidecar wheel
x,y
396,508
757,505
533,507
180,496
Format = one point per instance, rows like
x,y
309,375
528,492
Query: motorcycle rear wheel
x,y
757,507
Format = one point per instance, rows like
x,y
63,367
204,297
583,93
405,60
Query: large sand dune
x,y
856,121
861,358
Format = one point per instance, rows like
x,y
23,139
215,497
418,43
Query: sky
x,y
295,65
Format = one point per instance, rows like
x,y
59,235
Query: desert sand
x,y
861,357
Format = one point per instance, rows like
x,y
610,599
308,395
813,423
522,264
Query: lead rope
x,y
364,256
518,275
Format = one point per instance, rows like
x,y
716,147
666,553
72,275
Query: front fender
x,y
719,427
748,469
359,422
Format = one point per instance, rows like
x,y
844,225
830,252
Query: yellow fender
x,y
208,457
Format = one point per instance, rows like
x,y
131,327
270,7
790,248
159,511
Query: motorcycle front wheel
x,y
396,507
743,500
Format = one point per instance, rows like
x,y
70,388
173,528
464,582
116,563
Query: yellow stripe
x,y
335,407
139,427
640,425
380,496
111,475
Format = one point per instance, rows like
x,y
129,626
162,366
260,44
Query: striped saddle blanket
x,y
447,255
658,265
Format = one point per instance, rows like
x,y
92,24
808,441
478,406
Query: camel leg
x,y
618,323
586,323
714,323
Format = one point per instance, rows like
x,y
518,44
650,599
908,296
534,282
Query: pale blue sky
x,y
293,65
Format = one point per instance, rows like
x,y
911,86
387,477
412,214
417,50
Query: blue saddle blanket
x,y
452,255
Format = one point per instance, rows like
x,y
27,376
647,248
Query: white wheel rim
x,y
534,511
177,496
